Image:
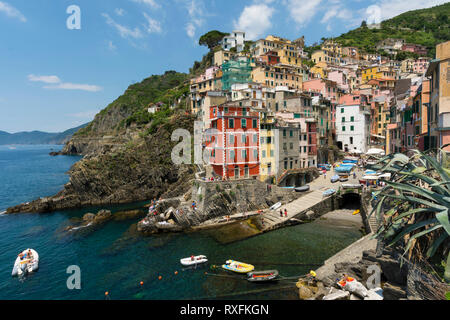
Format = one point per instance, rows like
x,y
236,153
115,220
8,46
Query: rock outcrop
x,y
139,170
213,200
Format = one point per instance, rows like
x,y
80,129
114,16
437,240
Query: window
x,y
255,123
343,129
271,153
342,110
264,154
255,154
244,123
291,146
291,133
231,139
243,138
232,155
352,119
343,119
231,123
284,132
284,146
255,138
352,128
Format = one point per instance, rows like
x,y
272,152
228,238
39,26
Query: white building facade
x,y
352,127
236,39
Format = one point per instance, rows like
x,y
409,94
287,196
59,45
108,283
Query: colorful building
x,y
232,142
439,110
236,71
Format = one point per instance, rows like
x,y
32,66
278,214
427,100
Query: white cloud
x,y
303,11
11,11
119,11
196,14
255,20
124,31
74,86
45,79
56,83
111,46
151,3
153,26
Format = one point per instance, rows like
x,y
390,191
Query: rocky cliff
x,y
127,151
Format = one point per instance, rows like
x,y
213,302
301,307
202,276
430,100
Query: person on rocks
x,y
281,213
285,213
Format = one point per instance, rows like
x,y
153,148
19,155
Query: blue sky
x,y
53,78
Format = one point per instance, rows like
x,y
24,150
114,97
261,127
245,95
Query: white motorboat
x,y
192,261
26,262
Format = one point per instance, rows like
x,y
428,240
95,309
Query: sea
x,y
115,262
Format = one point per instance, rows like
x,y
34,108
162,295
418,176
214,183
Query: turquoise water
x,y
115,259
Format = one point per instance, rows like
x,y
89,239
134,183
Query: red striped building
x,y
232,142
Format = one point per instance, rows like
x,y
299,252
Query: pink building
x,y
415,48
340,78
421,65
328,88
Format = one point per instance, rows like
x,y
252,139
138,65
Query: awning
x,y
377,136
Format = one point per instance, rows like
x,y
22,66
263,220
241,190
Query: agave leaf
x,y
411,228
432,206
444,220
411,212
420,234
394,228
432,250
419,170
419,191
432,182
437,167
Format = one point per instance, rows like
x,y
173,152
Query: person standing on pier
x,y
281,213
285,213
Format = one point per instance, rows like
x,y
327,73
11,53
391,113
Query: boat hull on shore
x,y
302,189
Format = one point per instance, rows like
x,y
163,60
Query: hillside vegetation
x,y
426,27
132,105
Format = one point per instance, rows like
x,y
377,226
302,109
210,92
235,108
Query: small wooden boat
x,y
26,263
263,276
239,267
303,189
192,261
343,179
334,179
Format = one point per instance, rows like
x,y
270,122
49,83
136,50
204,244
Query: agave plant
x,y
414,205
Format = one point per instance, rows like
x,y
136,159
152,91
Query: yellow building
x,y
222,56
321,69
377,72
286,50
279,75
267,151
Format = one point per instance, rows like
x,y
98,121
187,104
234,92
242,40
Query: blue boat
x,y
334,179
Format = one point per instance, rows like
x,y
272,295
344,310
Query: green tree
x,y
211,39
